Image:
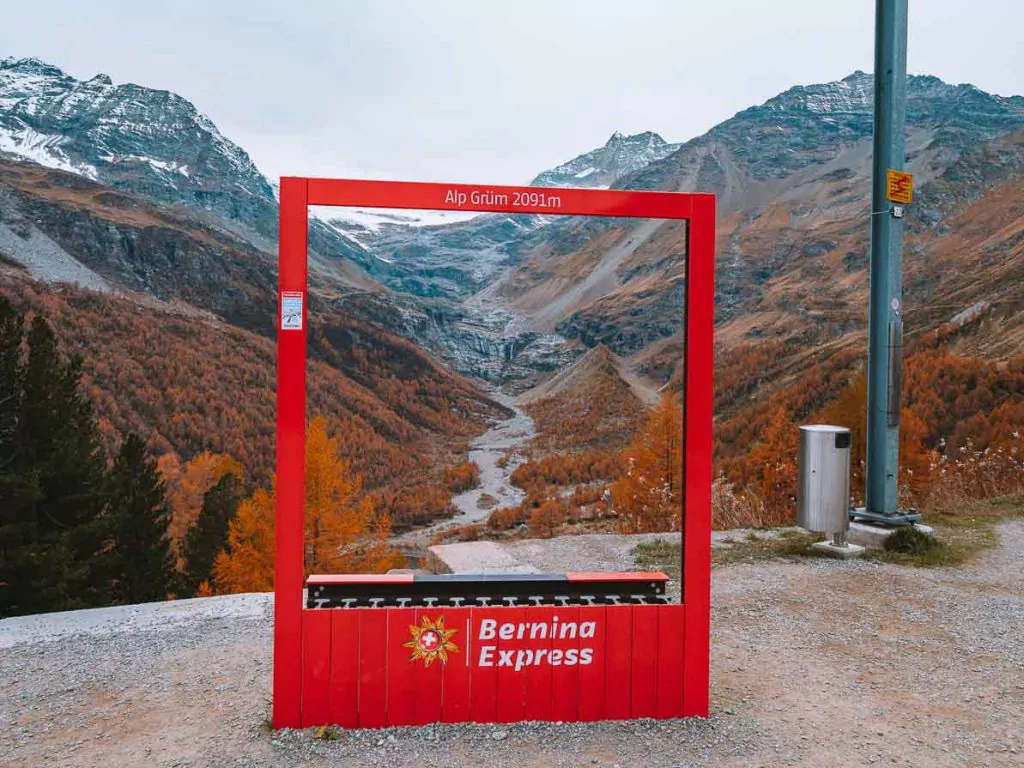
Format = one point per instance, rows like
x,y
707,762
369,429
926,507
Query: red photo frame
x,y
303,652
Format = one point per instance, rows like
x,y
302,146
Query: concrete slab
x,y
874,536
830,549
474,557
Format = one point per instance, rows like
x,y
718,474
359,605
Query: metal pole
x,y
885,324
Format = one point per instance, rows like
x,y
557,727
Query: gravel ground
x,y
610,552
814,662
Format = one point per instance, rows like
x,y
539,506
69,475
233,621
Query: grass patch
x,y
327,733
665,555
953,546
912,546
962,534
788,544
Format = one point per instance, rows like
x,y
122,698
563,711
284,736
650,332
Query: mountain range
x,y
133,192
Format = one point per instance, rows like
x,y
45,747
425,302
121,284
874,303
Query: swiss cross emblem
x,y
431,641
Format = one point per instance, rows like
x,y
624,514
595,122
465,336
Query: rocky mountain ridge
x,y
513,297
792,181
144,141
601,167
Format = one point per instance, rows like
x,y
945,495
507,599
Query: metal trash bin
x,y
823,502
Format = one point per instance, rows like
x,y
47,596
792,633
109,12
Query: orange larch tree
x,y
773,463
648,496
187,484
342,532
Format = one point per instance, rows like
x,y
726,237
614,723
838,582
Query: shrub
x,y
908,540
462,477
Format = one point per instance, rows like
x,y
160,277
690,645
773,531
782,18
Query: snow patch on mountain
x,y
853,94
41,148
372,220
363,227
601,167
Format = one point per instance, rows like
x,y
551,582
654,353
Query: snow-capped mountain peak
x,y
600,167
852,94
125,135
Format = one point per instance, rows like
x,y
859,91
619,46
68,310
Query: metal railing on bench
x,y
406,590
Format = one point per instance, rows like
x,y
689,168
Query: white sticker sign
x,y
291,310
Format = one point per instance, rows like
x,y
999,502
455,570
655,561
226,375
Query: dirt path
x,y
815,663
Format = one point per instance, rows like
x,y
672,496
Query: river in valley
x,y
504,438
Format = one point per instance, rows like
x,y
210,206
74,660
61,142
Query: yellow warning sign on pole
x,y
899,186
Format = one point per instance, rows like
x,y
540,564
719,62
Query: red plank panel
x,y
316,668
565,669
618,661
483,694
537,675
512,653
455,677
373,661
427,679
644,679
592,665
670,661
400,669
344,667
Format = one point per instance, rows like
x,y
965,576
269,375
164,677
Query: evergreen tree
x,y
11,333
51,476
13,529
138,553
342,532
209,534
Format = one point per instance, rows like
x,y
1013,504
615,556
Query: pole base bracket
x,y
892,519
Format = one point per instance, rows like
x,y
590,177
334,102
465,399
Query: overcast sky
x,y
495,91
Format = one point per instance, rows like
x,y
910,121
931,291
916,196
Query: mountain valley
x,y
124,213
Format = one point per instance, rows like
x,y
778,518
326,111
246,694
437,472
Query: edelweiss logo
x,y
431,641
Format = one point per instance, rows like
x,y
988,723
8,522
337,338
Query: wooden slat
x,y
427,690
511,683
344,667
618,661
537,691
671,638
592,673
455,678
483,695
565,670
400,670
644,682
373,664
316,668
